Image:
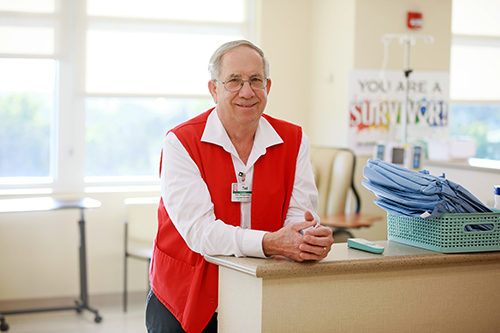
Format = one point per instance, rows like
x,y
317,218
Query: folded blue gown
x,y
417,193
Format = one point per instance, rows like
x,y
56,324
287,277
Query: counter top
x,y
343,259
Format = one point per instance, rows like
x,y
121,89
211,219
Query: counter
x,y
405,289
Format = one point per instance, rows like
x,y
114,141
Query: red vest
x,y
181,279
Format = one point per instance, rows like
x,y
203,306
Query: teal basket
x,y
447,233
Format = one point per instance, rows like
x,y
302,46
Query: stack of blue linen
x,y
417,193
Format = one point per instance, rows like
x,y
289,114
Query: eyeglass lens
x,y
236,84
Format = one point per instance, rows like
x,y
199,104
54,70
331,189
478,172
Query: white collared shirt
x,y
188,202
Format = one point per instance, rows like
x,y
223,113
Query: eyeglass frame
x,y
243,82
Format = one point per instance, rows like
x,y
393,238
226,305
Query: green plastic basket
x,y
447,233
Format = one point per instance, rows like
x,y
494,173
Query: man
x,y
234,182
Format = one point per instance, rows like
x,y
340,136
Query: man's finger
x,y
320,231
298,226
308,216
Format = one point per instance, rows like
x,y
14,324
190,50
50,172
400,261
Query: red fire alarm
x,y
415,20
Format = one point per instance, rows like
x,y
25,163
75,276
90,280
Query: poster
x,y
376,103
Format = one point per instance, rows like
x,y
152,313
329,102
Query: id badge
x,y
241,193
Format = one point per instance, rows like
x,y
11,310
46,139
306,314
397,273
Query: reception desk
x,y
405,289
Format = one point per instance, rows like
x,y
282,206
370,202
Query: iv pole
x,y
407,40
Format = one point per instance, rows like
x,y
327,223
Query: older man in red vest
x,y
234,181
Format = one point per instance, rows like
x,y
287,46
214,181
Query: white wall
x,y
39,251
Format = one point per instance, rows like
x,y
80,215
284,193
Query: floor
x,y
113,319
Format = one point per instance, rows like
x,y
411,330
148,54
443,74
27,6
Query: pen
x,y
302,231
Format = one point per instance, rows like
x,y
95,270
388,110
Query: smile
x,y
246,105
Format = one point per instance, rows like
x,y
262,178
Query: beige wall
x,y
39,251
333,57
283,32
374,18
312,46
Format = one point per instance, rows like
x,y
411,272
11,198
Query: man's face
x,y
242,107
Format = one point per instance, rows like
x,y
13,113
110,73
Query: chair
x,y
140,230
339,202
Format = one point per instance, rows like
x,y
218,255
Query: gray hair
x,y
214,66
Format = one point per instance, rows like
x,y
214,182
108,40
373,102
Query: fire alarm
x,y
415,20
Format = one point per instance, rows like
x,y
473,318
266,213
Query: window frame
x,y
36,185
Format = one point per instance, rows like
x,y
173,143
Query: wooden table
x,y
343,222
353,220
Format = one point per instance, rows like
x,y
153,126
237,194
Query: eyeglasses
x,y
235,84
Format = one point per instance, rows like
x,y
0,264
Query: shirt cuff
x,y
252,243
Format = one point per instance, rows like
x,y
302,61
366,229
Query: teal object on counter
x,y
365,245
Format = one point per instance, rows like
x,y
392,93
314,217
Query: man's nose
x,y
246,90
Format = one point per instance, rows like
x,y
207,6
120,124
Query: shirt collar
x,y
265,136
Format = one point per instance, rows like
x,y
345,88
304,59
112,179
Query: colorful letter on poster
x,y
376,103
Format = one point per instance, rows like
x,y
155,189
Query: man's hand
x,y
289,242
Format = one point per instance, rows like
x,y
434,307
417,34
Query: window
x,y
146,71
89,88
475,75
27,110
124,135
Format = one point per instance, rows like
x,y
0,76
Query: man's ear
x,y
268,88
212,87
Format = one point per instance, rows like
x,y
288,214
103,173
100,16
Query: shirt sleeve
x,y
190,207
304,194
